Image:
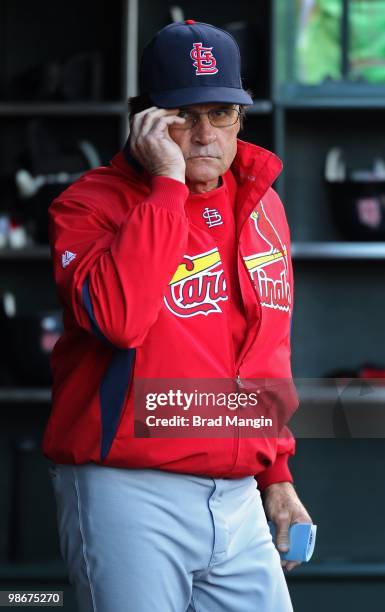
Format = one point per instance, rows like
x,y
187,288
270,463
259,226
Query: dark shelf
x,y
338,570
338,250
356,390
342,103
32,252
62,108
308,389
260,107
55,570
50,570
25,395
333,94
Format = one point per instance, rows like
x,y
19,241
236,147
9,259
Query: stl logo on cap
x,y
205,62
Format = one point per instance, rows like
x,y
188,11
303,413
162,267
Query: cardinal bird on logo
x,y
269,268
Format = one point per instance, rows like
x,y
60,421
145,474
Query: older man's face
x,y
208,151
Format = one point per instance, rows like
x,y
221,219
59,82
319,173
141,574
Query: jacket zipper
x,y
251,280
238,379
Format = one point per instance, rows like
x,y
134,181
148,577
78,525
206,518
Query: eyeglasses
x,y
218,117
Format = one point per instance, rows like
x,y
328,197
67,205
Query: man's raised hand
x,y
152,145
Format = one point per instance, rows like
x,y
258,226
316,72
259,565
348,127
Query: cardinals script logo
x,y
269,268
197,286
204,61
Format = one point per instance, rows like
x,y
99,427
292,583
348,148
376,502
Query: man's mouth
x,y
203,157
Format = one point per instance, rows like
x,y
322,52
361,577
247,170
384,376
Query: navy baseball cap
x,y
192,63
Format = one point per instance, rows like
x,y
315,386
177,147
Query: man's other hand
x,y
283,507
152,146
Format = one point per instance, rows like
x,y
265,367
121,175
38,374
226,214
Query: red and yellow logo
x,y
197,286
269,268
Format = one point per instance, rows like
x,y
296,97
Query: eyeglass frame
x,y
197,115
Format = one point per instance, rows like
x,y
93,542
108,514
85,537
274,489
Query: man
x,y
158,265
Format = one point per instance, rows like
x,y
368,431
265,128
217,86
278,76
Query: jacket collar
x,y
255,170
254,163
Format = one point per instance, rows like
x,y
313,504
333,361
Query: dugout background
x,y
66,71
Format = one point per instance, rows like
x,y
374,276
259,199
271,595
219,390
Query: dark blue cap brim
x,y
175,98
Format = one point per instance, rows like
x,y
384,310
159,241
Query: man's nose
x,y
203,132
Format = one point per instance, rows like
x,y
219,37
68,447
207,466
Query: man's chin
x,y
202,170
201,178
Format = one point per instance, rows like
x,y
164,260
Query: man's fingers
x,y
146,110
153,130
152,145
291,565
143,122
162,123
154,109
156,132
147,122
137,121
282,540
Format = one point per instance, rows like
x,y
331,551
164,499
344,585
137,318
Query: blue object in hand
x,y
302,540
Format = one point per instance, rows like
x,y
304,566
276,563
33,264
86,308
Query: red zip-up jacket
x,y
127,262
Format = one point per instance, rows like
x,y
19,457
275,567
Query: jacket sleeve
x,y
279,471
284,402
112,278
